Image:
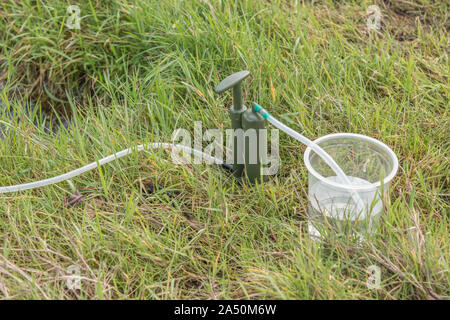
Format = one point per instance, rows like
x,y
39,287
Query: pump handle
x,y
234,81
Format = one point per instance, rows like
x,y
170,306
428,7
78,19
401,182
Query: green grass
x,y
136,70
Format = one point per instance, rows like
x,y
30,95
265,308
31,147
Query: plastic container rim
x,y
373,186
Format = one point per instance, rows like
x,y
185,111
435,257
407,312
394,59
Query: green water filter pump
x,y
244,163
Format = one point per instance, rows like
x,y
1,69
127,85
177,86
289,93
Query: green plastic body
x,y
237,110
253,120
246,147
238,151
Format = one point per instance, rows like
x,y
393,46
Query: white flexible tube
x,y
309,143
69,175
322,153
93,165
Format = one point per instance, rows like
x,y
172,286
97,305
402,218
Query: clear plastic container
x,y
369,164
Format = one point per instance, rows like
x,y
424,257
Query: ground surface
x,y
143,227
